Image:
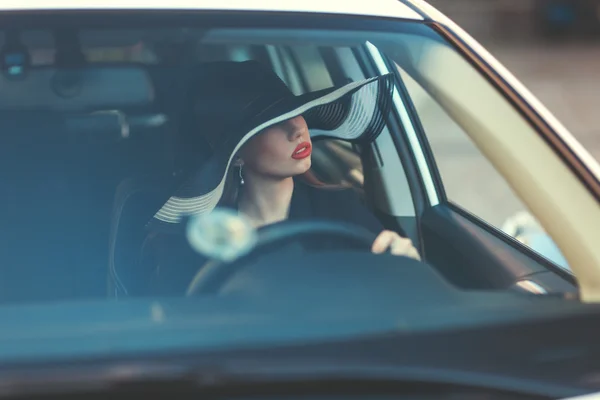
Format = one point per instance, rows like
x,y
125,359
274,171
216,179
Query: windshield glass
x,y
116,141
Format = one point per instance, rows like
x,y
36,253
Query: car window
x,y
469,179
91,154
312,67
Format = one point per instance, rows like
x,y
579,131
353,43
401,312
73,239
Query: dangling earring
x,y
241,177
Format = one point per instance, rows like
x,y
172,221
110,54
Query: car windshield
x,y
101,127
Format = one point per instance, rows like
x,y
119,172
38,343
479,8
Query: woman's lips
x,y
302,151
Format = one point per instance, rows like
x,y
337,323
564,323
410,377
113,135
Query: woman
x,y
267,165
258,134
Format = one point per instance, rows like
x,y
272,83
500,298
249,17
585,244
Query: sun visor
x,y
88,88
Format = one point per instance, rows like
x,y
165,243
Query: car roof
x,y
380,8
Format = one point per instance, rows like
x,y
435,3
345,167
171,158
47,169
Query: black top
x,y
334,204
168,263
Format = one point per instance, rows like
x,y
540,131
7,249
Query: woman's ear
x,y
238,162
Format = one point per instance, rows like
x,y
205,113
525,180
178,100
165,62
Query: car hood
x,y
83,330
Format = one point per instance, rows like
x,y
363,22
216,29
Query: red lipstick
x,y
302,151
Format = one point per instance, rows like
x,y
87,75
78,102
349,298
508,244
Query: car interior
x,y
93,135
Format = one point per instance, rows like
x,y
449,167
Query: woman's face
x,y
280,151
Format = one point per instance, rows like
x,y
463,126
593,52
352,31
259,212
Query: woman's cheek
x,y
271,153
278,150
266,161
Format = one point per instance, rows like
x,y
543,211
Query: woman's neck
x,y
266,200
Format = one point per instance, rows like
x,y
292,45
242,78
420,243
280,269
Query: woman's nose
x,y
297,127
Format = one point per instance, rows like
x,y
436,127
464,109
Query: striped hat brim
x,y
355,112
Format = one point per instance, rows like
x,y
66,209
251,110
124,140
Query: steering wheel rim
x,y
211,276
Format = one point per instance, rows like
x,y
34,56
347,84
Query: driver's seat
x,y
136,201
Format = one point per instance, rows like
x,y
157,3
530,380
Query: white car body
x,y
95,330
377,8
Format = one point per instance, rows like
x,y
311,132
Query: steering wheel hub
x,y
211,230
222,234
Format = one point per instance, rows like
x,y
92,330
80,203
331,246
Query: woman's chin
x,y
304,165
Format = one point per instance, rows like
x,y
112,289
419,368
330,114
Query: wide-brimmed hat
x,y
234,101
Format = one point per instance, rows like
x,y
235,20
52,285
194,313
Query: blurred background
x,y
552,46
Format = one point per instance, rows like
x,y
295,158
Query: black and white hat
x,y
235,101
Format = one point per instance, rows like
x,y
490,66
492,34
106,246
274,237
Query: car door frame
x,y
466,249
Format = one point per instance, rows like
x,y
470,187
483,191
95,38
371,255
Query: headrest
x,y
87,88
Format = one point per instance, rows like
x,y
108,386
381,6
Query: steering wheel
x,y
215,273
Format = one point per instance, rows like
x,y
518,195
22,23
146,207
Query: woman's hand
x,y
398,246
